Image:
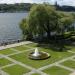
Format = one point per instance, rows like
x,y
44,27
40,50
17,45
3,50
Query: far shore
x,y
14,11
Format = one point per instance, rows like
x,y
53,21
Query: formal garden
x,y
16,61
50,31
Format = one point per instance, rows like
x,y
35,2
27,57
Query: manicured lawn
x,y
6,51
71,48
56,71
21,48
69,63
36,74
4,62
16,70
22,57
31,45
55,56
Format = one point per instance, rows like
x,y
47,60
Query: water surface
x,y
9,26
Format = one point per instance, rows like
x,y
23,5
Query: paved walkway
x,y
73,73
8,65
67,68
3,73
14,45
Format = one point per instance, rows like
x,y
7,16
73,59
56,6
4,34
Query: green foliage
x,y
25,29
65,22
44,18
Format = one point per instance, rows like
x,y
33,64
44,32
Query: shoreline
x,y
8,42
15,44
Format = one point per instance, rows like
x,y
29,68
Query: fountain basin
x,y
41,56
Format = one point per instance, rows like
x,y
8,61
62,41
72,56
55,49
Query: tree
x,y
65,23
41,20
44,19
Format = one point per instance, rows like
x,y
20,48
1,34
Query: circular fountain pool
x,y
36,55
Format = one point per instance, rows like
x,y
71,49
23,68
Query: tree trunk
x,y
48,35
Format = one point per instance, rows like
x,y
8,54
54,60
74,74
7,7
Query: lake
x,y
9,26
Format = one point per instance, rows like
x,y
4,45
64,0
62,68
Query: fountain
x,y
38,55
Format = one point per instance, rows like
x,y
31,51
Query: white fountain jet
x,y
36,53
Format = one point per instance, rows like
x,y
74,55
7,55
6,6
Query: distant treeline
x,y
21,7
18,7
66,8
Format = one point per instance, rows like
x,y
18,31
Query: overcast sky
x,y
61,2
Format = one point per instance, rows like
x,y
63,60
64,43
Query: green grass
x,y
36,74
4,62
69,63
21,48
6,51
23,58
55,56
56,71
71,48
31,45
16,70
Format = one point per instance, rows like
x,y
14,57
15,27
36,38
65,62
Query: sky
x,y
61,2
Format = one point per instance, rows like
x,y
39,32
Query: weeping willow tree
x,y
42,19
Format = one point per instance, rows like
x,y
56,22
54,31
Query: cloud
x,y
16,1
66,2
61,2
